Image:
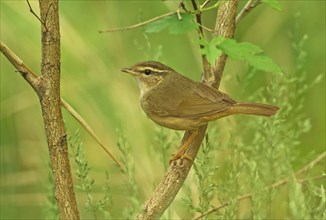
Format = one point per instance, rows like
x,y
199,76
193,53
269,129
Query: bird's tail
x,y
253,109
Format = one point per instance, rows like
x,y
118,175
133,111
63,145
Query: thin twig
x,y
32,79
139,24
204,4
251,4
272,186
183,6
196,12
88,128
24,70
206,28
302,181
206,66
38,18
198,19
311,164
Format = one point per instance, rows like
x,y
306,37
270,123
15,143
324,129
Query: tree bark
x,y
225,26
49,95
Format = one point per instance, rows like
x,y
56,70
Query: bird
x,y
174,101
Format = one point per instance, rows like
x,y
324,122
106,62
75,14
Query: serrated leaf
x,y
183,25
275,4
239,50
173,23
263,63
210,50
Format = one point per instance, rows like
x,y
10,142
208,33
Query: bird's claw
x,y
181,156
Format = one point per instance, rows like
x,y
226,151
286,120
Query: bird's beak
x,y
128,70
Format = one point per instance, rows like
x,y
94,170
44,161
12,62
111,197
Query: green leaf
x,y
263,63
210,49
241,51
238,50
274,4
173,23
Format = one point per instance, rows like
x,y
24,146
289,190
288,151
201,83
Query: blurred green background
x,y
109,100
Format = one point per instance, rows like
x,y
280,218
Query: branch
x,y
139,24
88,128
204,4
24,70
172,181
251,4
49,95
199,11
311,164
272,186
32,11
30,76
225,26
177,172
206,66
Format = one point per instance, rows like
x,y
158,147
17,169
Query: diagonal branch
x,y
32,11
33,80
88,128
196,12
272,186
24,70
251,4
139,24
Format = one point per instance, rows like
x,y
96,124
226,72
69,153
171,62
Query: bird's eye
x,y
147,72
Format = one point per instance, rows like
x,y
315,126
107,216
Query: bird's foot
x,y
181,156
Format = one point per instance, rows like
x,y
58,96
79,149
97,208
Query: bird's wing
x,y
200,101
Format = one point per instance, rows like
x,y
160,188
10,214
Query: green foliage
x,y
297,204
259,152
250,152
205,169
318,202
247,52
162,139
210,49
174,24
86,183
145,45
275,4
130,186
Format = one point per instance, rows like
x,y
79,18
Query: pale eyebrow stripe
x,y
152,68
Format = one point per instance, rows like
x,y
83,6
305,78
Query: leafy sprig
x,y
250,53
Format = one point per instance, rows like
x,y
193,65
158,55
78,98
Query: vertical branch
x,y
49,95
206,66
225,26
177,172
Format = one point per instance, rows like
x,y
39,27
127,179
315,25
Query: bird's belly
x,y
177,123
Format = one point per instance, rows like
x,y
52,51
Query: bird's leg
x,y
184,147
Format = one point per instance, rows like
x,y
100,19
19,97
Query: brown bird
x,y
175,101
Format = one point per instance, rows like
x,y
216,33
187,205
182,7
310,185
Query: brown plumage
x,y
176,102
